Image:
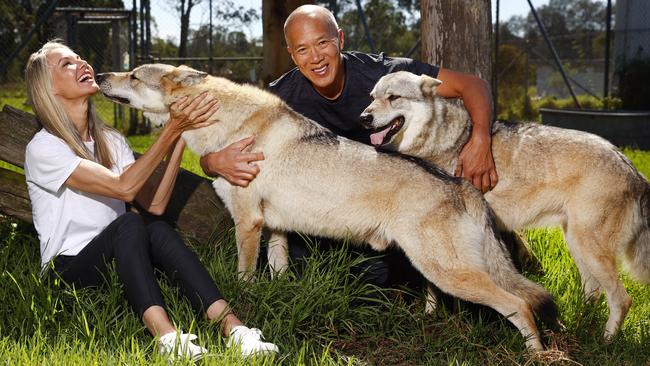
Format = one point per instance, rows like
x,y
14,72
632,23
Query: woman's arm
x,y
156,193
92,177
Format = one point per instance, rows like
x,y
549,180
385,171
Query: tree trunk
x,y
456,35
185,27
194,207
276,58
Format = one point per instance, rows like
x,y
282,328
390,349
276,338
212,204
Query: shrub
x,y
634,84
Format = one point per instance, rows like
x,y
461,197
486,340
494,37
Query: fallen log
x,y
194,208
14,200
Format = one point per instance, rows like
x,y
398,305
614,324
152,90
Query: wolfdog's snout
x,y
366,120
99,78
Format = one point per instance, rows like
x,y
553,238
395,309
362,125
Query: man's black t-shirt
x,y
362,71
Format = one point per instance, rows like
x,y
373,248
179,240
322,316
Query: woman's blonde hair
x,y
53,116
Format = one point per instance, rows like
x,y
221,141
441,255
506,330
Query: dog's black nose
x,y
366,120
100,77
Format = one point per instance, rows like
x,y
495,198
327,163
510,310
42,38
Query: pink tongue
x,y
378,137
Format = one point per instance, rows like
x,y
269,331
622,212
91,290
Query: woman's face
x,y
72,77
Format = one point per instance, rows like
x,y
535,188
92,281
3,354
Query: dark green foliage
x,y
394,25
634,84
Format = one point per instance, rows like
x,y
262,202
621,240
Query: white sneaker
x,y
178,346
249,341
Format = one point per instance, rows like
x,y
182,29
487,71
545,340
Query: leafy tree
x,y
17,18
226,12
577,30
163,47
393,25
228,39
512,71
573,25
230,15
226,42
184,8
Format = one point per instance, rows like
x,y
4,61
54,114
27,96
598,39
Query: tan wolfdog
x,y
547,176
314,182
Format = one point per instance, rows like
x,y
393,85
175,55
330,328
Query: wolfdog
x,y
315,182
547,176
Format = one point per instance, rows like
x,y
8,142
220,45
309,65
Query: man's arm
x,y
476,163
232,163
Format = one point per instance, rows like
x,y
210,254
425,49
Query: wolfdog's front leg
x,y
248,229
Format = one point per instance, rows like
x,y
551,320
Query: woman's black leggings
x,y
136,249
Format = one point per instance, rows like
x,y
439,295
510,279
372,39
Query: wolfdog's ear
x,y
186,76
429,85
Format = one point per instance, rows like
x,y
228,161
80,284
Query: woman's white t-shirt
x,y
67,219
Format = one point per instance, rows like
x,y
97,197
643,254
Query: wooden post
x,y
456,35
276,58
194,207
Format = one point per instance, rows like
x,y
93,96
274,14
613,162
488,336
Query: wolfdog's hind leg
x,y
590,286
476,286
599,261
278,253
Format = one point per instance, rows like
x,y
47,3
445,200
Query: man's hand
x,y
476,164
233,164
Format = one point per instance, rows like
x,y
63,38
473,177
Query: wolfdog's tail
x,y
637,255
504,273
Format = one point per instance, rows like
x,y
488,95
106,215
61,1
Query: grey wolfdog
x,y
547,176
317,183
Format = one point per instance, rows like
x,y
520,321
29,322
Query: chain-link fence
x,y
575,60
219,39
114,36
102,35
603,69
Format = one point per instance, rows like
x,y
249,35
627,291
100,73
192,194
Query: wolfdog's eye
x,y
393,98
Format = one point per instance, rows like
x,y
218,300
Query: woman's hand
x,y
186,114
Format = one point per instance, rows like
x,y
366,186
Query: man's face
x,y
315,48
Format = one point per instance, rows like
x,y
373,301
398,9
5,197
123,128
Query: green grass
x,y
140,143
15,95
326,317
640,159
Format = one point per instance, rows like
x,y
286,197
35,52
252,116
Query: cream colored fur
x,y
547,176
314,182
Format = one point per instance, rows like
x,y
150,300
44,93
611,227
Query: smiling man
x,y
332,87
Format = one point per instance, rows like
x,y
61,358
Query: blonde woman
x,y
80,173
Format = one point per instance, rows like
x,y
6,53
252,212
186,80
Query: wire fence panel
x,y
113,38
101,35
604,69
602,63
